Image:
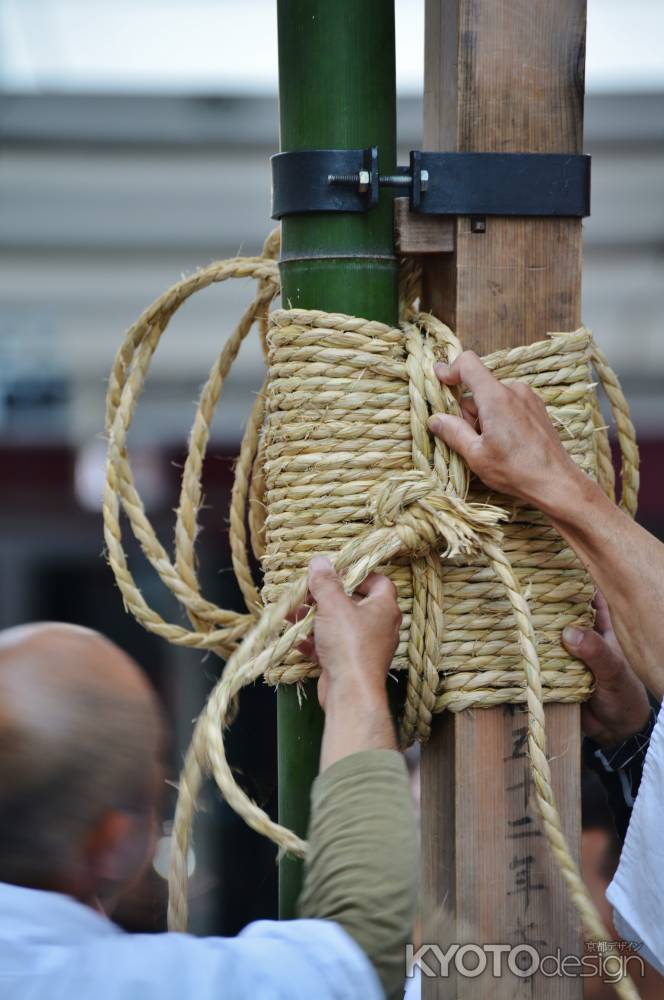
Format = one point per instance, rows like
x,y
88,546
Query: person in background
x,y
618,721
508,441
80,780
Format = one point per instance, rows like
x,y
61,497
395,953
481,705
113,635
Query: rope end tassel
x,y
337,459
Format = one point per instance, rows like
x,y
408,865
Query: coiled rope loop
x,y
337,458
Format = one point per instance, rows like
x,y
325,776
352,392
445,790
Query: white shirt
x,y
637,890
53,948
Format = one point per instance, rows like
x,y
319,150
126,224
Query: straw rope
x,y
337,458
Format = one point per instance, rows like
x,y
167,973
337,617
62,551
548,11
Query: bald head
x,y
79,739
67,658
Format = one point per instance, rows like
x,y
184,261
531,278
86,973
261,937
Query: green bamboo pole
x,y
336,91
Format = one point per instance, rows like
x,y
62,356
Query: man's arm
x,y
507,439
626,563
617,720
354,641
362,864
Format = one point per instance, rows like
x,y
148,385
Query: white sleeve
x,y
312,958
269,960
637,890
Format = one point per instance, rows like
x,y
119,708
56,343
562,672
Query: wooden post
x,y
337,90
501,76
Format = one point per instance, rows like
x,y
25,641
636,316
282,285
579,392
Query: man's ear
x,y
103,841
117,848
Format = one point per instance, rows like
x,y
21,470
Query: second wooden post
x,y
501,76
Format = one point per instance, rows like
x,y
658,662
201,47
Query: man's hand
x,y
354,638
619,706
505,434
507,439
354,641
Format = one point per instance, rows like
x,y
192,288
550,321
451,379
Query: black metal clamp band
x,y
324,180
348,180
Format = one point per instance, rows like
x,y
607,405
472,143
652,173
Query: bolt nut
x,y
364,180
478,224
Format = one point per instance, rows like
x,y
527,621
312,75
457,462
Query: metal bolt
x,y
478,224
395,180
363,180
345,178
405,180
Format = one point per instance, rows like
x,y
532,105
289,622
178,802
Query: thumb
x,y
455,432
324,584
593,649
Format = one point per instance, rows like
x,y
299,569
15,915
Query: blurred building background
x,y
134,145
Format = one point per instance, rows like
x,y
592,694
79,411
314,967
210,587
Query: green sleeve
x,y
362,864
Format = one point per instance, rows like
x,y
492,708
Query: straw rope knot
x,y
423,513
337,459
